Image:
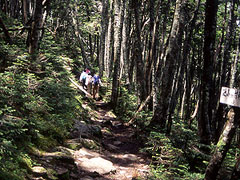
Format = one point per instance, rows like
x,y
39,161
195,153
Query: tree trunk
x,y
34,34
8,38
223,144
89,35
78,35
151,47
204,121
24,7
118,25
187,64
172,54
225,66
137,53
104,32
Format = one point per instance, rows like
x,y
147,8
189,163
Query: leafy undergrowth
x,y
37,106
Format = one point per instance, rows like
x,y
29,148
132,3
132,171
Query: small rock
x,y
111,147
131,157
39,171
116,143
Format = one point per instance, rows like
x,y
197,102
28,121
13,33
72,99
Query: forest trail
x,y
119,152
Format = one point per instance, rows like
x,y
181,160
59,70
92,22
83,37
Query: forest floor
x,y
120,146
113,153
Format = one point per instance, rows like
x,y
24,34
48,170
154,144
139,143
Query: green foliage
x,y
177,156
37,106
127,104
14,167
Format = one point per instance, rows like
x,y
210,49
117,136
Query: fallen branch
x,y
81,88
143,104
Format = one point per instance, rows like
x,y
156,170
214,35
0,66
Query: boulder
x,y
90,161
97,164
81,129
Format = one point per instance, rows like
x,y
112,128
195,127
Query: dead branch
x,y
81,88
143,104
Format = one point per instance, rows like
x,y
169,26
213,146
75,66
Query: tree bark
x,y
8,37
103,36
172,54
204,121
118,26
225,67
24,7
78,36
223,144
137,52
34,34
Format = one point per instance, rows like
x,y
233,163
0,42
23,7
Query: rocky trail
x,y
102,149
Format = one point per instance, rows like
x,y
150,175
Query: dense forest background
x,y
163,64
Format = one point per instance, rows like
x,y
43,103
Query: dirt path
x,y
120,146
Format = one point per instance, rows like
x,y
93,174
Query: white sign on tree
x,y
230,96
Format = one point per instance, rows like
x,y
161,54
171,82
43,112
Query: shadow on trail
x,y
121,146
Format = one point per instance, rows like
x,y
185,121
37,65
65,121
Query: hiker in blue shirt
x,y
96,83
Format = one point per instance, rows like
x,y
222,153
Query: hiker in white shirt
x,y
82,79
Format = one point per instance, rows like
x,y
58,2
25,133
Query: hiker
x,y
88,83
96,83
87,71
82,79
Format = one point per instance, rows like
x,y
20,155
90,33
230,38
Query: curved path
x,y
120,147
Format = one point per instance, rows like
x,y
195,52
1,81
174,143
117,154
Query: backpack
x,y
96,80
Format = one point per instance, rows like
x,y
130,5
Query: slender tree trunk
x,y
34,34
118,22
24,2
186,60
204,121
172,54
104,26
126,41
137,52
149,60
8,37
108,40
78,36
89,35
123,43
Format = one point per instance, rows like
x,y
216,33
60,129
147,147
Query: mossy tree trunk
x,y
223,144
